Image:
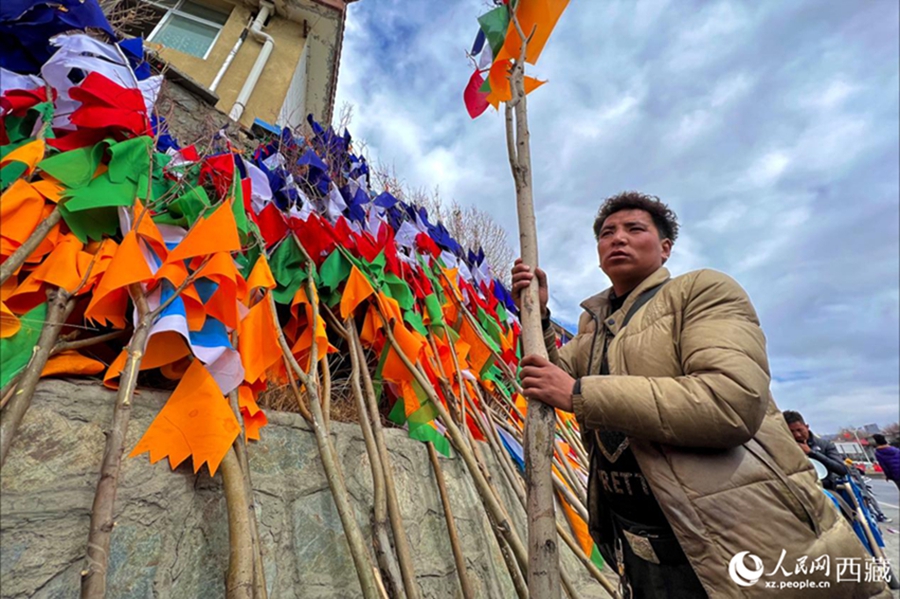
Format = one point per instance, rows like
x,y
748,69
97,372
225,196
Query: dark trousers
x,y
646,580
672,578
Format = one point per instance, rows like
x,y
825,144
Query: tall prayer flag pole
x,y
509,36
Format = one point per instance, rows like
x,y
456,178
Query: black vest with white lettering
x,y
624,487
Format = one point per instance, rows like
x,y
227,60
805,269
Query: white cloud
x,y
771,128
768,168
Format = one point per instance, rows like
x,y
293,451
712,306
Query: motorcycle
x,y
851,500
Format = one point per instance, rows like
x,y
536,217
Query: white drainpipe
x,y
256,32
234,50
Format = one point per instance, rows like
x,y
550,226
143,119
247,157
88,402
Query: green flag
x,y
435,313
74,168
11,172
240,214
287,267
491,328
397,288
397,414
184,210
334,270
414,319
15,351
426,433
495,24
91,224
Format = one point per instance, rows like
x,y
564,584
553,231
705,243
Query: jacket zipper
x,y
593,342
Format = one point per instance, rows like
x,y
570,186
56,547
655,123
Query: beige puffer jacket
x,y
689,385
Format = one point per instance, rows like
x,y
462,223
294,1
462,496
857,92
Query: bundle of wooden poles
x,y
386,568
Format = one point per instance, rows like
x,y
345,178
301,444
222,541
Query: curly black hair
x,y
664,218
790,416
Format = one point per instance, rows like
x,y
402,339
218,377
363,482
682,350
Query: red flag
x,y
476,101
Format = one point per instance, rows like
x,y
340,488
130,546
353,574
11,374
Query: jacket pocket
x,y
759,453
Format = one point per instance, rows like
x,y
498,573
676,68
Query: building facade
x,y
272,61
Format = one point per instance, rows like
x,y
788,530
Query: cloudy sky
x,y
771,128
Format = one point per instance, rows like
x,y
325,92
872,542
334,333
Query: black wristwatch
x,y
576,388
545,321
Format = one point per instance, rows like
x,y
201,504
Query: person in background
x,y
816,448
889,458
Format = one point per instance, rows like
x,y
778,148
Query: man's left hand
x,y
805,447
544,381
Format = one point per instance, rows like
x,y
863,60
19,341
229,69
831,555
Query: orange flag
x,y
356,291
196,421
30,154
72,363
479,352
148,231
163,349
216,233
9,322
223,304
411,344
389,307
60,268
579,526
254,417
410,400
261,276
49,188
258,342
499,80
21,210
539,16
304,340
370,328
500,85
111,296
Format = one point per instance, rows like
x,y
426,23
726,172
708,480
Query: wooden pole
x,y
401,542
93,581
240,449
540,422
239,580
365,569
464,583
488,497
93,577
59,307
384,553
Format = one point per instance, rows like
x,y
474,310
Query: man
x,y
888,457
692,465
816,448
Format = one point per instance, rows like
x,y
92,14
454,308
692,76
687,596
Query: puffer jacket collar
x,y
598,305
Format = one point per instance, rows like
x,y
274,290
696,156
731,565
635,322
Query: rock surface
x,y
171,535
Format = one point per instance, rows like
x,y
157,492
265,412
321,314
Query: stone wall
x,y
171,535
191,114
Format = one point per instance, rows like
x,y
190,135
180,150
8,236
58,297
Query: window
x,y
182,25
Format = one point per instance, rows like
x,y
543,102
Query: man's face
x,y
629,246
800,430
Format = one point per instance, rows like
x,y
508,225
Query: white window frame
x,y
171,10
